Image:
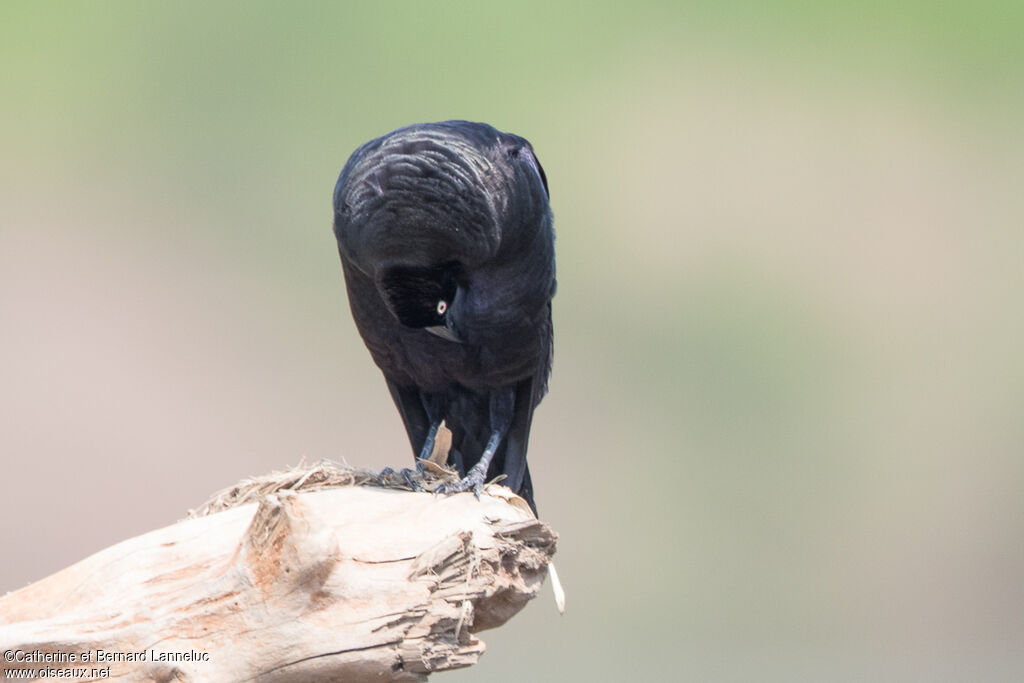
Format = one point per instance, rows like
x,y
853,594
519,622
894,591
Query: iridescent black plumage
x,y
447,245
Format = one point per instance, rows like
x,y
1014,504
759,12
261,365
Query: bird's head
x,y
423,297
452,224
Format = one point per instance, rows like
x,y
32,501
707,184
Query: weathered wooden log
x,y
356,583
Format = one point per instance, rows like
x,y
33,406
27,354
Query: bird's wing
x,y
529,393
414,415
513,463
544,369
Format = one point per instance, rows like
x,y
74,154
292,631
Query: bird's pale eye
x,y
442,306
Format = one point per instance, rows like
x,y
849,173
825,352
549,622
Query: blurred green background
x,y
784,435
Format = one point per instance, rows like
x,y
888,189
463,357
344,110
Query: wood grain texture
x,y
353,583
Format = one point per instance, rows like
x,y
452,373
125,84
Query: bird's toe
x,y
385,478
384,475
474,481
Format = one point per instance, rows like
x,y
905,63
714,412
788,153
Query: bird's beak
x,y
443,332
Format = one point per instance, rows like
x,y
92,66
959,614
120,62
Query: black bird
x,y
447,245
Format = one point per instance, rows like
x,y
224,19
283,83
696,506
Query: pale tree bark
x,y
351,584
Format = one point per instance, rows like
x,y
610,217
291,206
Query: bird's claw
x,y
474,480
406,473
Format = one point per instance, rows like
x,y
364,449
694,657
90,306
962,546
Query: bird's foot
x,y
406,474
474,480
